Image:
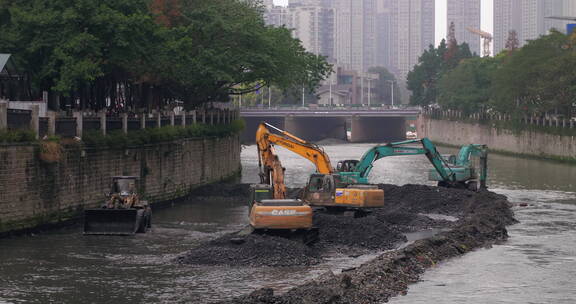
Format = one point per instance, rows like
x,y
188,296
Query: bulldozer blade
x,y
110,221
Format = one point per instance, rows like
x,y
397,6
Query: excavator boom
x,y
359,173
454,171
310,151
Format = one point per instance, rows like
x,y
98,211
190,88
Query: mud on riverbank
x,y
475,220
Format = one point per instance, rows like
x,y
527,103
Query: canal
x,y
537,264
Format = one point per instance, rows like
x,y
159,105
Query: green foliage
x,y
17,136
383,86
118,140
432,65
158,51
538,78
535,80
468,87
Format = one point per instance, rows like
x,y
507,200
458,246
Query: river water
x,y
537,264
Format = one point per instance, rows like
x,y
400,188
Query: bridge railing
x,y
349,107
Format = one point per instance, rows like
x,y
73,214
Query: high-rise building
x,y
268,4
310,22
465,14
383,33
569,9
355,33
314,26
277,16
412,31
528,18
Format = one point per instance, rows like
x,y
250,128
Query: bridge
x,y
365,124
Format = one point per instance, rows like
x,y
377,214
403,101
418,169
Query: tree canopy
x,y
432,65
537,79
134,54
383,86
467,87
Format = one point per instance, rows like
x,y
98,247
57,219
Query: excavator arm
x,y
310,151
463,160
271,170
359,173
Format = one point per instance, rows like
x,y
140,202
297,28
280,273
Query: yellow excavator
x,y
324,187
270,211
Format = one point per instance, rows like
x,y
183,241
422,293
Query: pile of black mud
x,y
355,236
337,234
252,250
483,218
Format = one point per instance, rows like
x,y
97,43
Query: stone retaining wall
x,y
34,193
528,143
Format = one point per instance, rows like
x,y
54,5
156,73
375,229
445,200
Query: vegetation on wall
x,y
17,136
117,139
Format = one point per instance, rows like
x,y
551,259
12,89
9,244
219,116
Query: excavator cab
x,y
329,190
469,168
348,165
258,193
320,189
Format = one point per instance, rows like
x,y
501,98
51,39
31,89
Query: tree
x,y
537,78
383,86
468,87
147,54
432,65
512,42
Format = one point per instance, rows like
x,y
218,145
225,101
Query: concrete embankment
x,y
523,143
463,220
34,193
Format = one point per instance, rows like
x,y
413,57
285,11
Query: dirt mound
x,y
410,222
424,199
343,234
251,250
483,222
346,232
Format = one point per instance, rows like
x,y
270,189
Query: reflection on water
x,y
537,265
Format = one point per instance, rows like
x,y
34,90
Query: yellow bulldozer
x,y
122,213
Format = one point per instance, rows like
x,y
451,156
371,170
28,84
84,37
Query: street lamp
x,y
303,96
369,90
392,82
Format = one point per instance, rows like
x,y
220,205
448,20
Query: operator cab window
x,y
316,183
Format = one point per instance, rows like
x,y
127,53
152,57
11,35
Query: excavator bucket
x,y
111,221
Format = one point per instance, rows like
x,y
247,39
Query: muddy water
x,y
536,265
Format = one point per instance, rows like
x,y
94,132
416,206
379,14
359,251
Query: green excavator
x,y
456,171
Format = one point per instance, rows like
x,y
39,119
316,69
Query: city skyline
x,y
441,13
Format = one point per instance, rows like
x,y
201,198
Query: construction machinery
x,y
270,211
486,38
123,213
452,171
324,187
463,172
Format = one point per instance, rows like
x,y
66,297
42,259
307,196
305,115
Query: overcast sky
x,y
487,11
